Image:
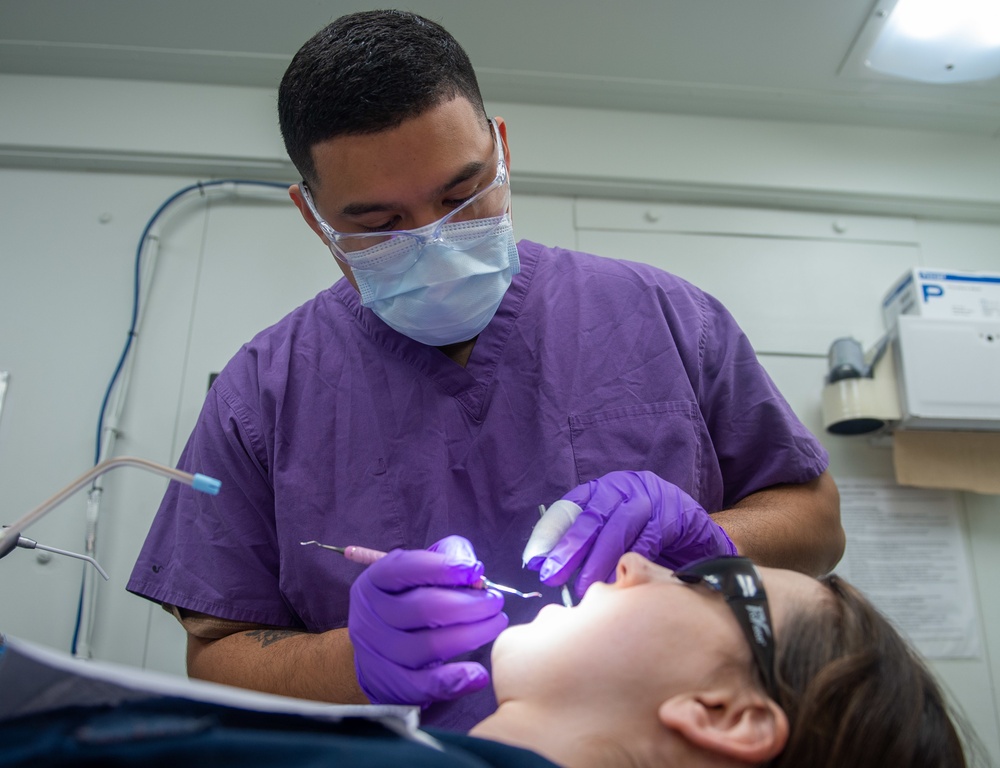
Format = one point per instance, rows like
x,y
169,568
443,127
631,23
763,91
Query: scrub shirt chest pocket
x,y
666,438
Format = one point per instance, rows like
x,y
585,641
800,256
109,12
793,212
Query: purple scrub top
x,y
332,426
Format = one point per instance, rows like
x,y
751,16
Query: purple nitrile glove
x,y
630,512
413,610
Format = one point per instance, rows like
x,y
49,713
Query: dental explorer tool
x,y
366,556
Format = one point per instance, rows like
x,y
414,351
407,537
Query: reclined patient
x,y
656,669
717,664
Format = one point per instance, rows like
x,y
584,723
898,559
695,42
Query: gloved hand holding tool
x,y
410,612
618,513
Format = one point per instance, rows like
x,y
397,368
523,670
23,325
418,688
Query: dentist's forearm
x,y
286,662
789,526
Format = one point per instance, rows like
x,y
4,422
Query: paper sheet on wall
x,y
906,550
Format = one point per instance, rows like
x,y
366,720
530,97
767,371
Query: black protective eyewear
x,y
737,580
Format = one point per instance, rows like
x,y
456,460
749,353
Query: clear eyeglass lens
x,y
488,206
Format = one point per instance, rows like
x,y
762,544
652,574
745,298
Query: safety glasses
x,y
737,580
471,222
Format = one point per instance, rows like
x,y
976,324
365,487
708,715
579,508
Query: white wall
x,y
84,163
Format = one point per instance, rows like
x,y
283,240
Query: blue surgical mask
x,y
435,293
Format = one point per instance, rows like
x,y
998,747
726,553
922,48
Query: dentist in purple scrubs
x,y
429,401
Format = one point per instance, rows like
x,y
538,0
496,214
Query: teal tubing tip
x,y
206,484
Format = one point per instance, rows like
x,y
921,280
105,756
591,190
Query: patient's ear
x,y
743,725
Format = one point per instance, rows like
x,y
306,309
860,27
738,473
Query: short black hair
x,y
368,72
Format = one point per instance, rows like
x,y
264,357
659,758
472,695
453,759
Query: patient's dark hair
x,y
856,694
367,72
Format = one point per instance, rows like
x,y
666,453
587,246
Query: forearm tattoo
x,y
268,636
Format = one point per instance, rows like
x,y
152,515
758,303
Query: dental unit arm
x,y
10,537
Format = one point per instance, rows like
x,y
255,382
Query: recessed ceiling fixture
x,y
939,41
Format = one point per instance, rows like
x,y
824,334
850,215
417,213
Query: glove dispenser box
x,y
948,373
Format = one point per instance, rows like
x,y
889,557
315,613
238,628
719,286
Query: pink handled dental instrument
x,y
366,556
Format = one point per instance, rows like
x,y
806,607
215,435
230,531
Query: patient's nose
x,y
634,569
